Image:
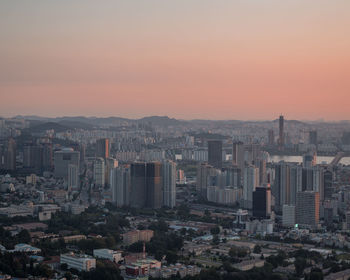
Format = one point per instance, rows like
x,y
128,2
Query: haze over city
x,y
186,59
179,140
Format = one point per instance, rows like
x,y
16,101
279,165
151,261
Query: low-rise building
x,y
79,262
114,256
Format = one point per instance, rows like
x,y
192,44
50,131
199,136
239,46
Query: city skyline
x,y
189,59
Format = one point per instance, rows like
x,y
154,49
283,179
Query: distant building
x,y
271,137
62,159
215,153
262,202
102,148
134,236
238,155
250,182
73,177
281,133
313,137
169,183
114,256
308,208
99,171
154,185
79,262
288,215
120,184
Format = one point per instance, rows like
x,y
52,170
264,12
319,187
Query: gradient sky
x,y
233,59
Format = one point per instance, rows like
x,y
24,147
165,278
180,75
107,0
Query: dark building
x,y
215,153
238,155
328,184
281,133
33,158
271,137
313,137
102,148
47,157
346,138
262,202
138,185
154,185
146,185
10,155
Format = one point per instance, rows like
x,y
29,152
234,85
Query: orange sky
x,y
251,59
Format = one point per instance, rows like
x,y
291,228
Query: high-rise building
x,y
313,137
308,208
287,183
73,177
238,155
10,155
47,157
231,176
250,182
120,183
154,185
206,176
288,215
99,172
281,133
262,202
102,148
62,159
33,158
271,137
215,153
328,184
111,163
138,185
169,183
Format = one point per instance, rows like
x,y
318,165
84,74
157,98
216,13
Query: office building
x,y
238,155
113,256
10,155
62,159
215,153
288,215
138,185
154,185
271,137
73,177
250,182
262,202
99,172
33,158
281,133
328,184
308,208
169,183
313,137
120,184
78,262
102,148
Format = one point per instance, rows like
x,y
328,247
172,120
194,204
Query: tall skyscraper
x,y
10,155
262,202
308,208
215,153
99,172
33,158
73,177
271,137
250,182
313,137
169,183
47,157
120,184
62,159
154,185
328,184
281,133
138,185
102,148
238,155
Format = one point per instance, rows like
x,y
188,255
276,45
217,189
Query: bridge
x,y
337,159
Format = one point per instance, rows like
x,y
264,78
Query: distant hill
x,y
161,120
47,126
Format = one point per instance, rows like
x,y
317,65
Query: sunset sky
x,y
233,59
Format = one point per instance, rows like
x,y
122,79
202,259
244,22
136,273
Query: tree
x,y
300,265
257,249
